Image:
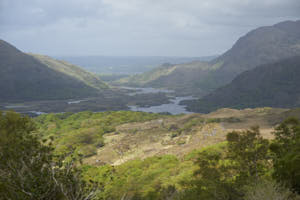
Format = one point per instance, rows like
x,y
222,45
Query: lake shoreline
x,y
135,99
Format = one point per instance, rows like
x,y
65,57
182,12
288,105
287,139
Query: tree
x,y
286,153
224,173
249,151
30,170
214,179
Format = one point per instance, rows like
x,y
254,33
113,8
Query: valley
x,y
155,128
212,80
115,99
135,99
264,45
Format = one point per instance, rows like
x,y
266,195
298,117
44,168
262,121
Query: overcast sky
x,y
136,27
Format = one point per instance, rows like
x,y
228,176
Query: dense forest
x,y
245,166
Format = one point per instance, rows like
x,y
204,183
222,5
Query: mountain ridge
x,y
25,78
260,46
71,70
273,85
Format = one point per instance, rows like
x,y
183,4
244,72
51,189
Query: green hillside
x,y
273,85
72,70
84,131
25,78
260,46
185,79
202,156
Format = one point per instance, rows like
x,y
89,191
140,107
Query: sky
x,y
136,27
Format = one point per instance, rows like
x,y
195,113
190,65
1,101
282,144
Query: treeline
x,y
245,167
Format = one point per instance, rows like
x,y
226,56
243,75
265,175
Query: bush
x,y
286,150
173,135
267,190
30,170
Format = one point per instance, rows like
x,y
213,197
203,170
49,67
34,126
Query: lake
x,y
173,107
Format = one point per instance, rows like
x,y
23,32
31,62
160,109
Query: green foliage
x,y
231,170
173,135
152,178
225,170
215,178
84,131
191,123
269,189
286,149
72,71
29,170
213,120
238,169
250,152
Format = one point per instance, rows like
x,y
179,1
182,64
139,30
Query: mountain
x,y
26,77
185,79
261,46
274,85
71,70
126,65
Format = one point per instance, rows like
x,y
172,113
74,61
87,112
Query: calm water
x,y
145,90
173,107
77,101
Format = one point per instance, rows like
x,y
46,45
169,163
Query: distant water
x,y
37,112
146,90
77,101
173,107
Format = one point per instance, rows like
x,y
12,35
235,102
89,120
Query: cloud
x,y
136,27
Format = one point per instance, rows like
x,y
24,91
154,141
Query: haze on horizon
x,y
136,27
